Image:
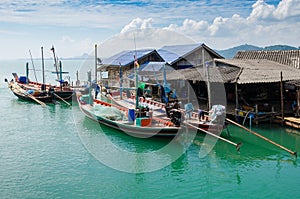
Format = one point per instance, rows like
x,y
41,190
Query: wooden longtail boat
x,y
29,95
65,92
159,110
140,127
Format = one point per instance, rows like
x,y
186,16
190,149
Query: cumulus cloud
x,y
265,25
261,10
148,38
138,23
287,8
220,25
67,39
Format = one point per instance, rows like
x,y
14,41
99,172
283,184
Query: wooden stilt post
x,y
282,103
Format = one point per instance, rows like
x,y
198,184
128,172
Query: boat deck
x,y
158,111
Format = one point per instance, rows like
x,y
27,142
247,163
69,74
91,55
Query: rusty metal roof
x,y
286,57
260,71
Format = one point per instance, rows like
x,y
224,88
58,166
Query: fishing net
x,y
111,113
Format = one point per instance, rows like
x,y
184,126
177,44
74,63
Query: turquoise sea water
x,y
50,153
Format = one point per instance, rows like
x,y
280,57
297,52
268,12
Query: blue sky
x,y
75,26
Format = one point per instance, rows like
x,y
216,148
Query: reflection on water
x,y
122,152
42,155
253,150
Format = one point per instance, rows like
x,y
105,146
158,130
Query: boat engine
x,y
175,116
218,114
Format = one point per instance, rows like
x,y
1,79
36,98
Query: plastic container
x,y
143,121
131,115
23,79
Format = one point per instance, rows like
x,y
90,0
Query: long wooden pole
x,y
27,73
208,86
38,101
55,62
33,65
17,87
121,81
96,63
216,136
262,137
43,65
61,99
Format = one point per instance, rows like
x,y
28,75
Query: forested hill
x,y
229,53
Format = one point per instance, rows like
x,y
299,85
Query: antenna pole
x,y
55,62
33,65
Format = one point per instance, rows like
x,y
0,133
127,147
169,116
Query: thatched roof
x,y
286,57
260,71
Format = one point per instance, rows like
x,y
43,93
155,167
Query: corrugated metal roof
x,y
172,53
150,69
126,57
152,66
169,54
286,57
261,71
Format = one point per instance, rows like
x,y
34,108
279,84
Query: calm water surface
x,y
42,155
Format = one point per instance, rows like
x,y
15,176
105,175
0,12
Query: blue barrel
x,y
131,115
23,79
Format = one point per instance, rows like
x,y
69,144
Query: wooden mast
x,y
96,63
27,73
121,81
43,87
43,65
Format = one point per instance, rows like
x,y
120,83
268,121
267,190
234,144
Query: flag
x,y
136,64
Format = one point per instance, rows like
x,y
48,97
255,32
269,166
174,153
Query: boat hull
x,y
130,128
65,93
45,98
159,109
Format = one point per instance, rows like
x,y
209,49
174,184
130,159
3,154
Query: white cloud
x,y
138,23
67,39
76,26
287,8
217,24
149,38
265,25
261,10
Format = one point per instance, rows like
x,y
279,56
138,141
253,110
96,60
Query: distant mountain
x,y
227,53
280,47
230,53
83,56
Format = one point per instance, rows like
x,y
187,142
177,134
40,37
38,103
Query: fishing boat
x,y
29,95
63,91
169,107
215,122
125,119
